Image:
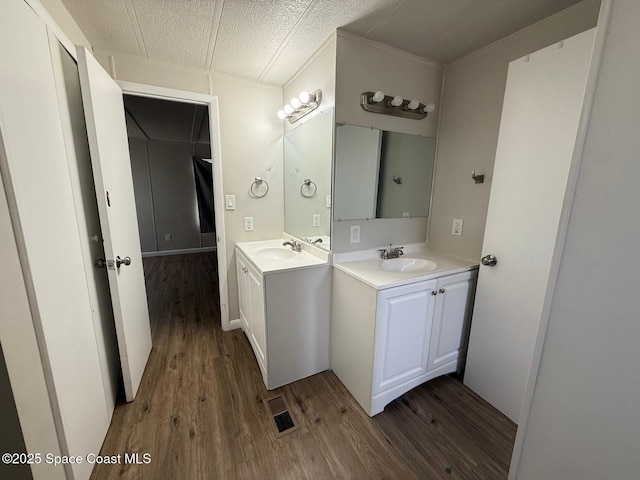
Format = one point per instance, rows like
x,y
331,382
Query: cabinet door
x,y
451,318
243,291
257,325
403,324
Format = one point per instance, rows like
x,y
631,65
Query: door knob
x,y
125,261
489,260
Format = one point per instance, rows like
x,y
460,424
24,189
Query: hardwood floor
x,y
199,412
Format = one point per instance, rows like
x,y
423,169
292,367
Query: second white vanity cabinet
x,y
284,307
390,338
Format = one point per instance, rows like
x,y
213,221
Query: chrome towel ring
x,y
310,190
255,188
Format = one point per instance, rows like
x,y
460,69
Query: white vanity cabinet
x,y
251,305
452,316
387,341
404,319
284,311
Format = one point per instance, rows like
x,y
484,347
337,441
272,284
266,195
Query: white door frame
x,y
152,91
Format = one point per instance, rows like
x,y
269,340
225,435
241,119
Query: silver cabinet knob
x,y
122,261
434,292
489,260
442,290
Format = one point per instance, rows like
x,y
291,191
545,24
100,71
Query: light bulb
x,y
397,101
295,103
288,109
429,107
413,104
378,96
304,97
281,114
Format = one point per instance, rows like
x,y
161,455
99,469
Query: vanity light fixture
x,y
304,104
378,102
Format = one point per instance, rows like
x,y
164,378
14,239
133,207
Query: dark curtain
x,y
203,173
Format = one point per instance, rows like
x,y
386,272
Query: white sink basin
x,y
275,253
408,265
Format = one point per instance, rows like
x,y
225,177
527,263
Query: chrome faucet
x,y
313,242
389,253
295,246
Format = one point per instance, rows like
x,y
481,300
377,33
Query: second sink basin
x,y
408,265
275,253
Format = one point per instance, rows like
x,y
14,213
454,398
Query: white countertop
x,y
308,257
365,267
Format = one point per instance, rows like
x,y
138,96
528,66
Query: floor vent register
x,y
282,420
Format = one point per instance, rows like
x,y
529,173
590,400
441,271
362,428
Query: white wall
x,y
363,65
250,137
63,19
470,120
318,72
584,420
164,186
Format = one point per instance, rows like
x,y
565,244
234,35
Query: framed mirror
x,y
308,154
381,174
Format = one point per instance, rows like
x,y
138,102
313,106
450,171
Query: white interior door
x,y
106,130
541,110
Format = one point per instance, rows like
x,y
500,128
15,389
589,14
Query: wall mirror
x,y
381,174
308,154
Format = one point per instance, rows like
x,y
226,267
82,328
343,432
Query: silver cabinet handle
x,y
489,260
434,292
122,261
442,290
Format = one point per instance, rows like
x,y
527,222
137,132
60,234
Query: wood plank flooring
x,y
199,412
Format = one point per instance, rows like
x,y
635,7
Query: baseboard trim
x,y
182,251
234,324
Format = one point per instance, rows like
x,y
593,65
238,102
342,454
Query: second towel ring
x,y
307,183
256,183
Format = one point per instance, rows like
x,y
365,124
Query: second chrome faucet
x,y
295,245
389,253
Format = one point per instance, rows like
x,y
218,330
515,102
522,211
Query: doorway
x,y
171,163
202,135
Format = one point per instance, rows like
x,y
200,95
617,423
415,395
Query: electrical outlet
x,y
248,224
167,237
456,228
406,215
316,219
355,233
230,202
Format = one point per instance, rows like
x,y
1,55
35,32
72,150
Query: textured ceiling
x,y
269,40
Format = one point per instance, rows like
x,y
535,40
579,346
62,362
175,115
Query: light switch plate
x,y
167,237
316,219
248,224
456,228
355,234
230,202
327,201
